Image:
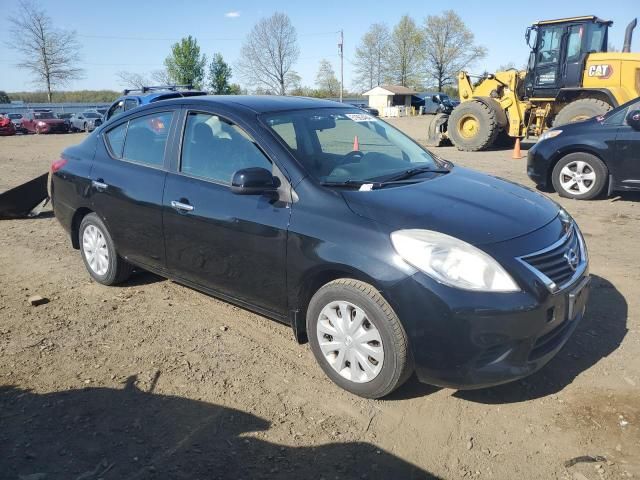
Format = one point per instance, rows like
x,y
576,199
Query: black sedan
x,y
586,159
319,215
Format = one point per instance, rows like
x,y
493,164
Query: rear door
x,y
232,244
128,178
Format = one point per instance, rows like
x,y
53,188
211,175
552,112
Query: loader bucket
x,y
19,201
437,131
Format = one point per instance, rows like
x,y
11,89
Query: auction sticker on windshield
x,y
360,117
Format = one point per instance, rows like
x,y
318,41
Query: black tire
x,y
118,270
86,128
396,366
486,130
503,140
591,164
579,110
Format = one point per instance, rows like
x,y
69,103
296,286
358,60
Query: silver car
x,y
85,121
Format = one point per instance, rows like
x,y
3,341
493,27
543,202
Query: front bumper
x,y
539,159
469,340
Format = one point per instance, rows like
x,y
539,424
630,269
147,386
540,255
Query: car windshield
x,y
348,145
91,115
14,116
43,115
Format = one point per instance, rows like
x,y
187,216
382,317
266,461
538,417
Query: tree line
x,y
422,56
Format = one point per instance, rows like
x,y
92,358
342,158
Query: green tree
x,y
185,65
406,51
326,80
449,48
4,98
219,76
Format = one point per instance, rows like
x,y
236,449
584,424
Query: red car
x,y
43,121
6,127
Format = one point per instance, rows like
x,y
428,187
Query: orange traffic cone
x,y
356,144
517,154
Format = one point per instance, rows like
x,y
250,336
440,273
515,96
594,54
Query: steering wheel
x,y
356,155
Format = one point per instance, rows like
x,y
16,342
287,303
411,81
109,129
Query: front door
x,y
128,178
546,77
232,244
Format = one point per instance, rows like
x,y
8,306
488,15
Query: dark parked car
x,y
582,160
325,218
43,121
367,108
85,121
135,97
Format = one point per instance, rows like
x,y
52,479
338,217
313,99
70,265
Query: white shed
x,y
385,97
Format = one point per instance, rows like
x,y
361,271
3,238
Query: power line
x,y
215,39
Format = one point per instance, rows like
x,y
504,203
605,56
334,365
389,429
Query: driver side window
x,y
214,148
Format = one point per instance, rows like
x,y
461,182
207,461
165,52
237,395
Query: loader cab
x,y
559,50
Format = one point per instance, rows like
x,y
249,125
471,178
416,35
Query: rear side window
x,y
130,103
142,139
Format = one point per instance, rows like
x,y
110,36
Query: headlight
x,y
452,261
549,134
41,124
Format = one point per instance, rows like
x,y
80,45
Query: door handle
x,y
181,207
99,185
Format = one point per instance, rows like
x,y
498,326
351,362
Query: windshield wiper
x,y
412,172
344,183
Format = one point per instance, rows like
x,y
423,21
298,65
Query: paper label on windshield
x,y
360,117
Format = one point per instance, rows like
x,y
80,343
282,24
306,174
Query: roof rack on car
x,y
157,87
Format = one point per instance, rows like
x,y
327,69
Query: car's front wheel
x,y
357,338
579,175
99,254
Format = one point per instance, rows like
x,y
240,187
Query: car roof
x,y
262,103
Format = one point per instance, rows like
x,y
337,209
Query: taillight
x,y
57,165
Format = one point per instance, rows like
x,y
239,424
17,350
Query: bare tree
x,y
406,52
269,53
51,55
132,79
449,47
161,77
371,57
326,79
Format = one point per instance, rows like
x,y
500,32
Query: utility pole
x,y
341,51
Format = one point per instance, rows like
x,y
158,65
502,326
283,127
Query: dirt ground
x,y
154,380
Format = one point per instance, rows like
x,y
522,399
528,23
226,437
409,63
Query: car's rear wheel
x,y
579,175
357,338
99,254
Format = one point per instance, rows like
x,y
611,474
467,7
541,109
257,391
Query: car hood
x,y
465,204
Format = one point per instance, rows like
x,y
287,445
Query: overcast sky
x,y
136,36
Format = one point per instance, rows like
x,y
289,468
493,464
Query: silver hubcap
x,y
577,177
350,343
94,246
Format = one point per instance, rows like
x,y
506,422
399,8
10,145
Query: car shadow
x,y
112,434
139,278
599,334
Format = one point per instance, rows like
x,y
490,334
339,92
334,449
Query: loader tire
x,y
473,126
579,110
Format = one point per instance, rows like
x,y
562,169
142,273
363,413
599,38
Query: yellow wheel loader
x,y
570,77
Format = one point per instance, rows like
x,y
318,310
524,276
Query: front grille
x,y
553,262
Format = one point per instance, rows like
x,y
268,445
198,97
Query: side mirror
x,y
254,181
633,119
